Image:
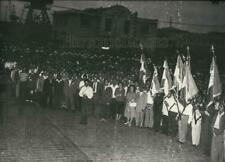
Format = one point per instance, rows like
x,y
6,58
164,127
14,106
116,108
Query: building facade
x,y
111,26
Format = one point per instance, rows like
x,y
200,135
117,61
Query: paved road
x,y
30,133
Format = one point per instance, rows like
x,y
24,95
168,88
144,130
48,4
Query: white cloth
x,y
149,98
169,104
125,88
95,86
86,91
106,86
23,77
70,81
81,84
217,122
187,110
13,72
195,120
114,90
45,77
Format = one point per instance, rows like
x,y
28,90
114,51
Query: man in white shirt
x,y
23,83
173,113
113,86
97,89
168,104
83,78
195,119
86,94
149,113
183,116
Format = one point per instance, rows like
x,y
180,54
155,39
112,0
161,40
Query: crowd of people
x,y
107,86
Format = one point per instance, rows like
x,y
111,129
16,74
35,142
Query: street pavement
x,y
30,133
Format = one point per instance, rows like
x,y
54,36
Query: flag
x,y
188,57
142,75
143,62
166,82
189,86
215,87
155,86
178,73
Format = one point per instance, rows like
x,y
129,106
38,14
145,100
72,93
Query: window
x,y
145,28
108,25
127,27
85,21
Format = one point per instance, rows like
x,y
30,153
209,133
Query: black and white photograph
x,y
112,81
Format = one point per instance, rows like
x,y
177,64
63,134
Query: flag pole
x,y
188,55
213,51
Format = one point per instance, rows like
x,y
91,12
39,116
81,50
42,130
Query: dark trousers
x,y
104,111
85,106
40,98
47,99
120,107
95,105
206,135
1,112
57,100
23,90
77,101
165,120
157,117
217,148
113,108
173,125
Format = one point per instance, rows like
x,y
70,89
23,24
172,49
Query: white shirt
x,y
217,122
70,81
125,88
188,110
195,118
45,77
86,91
149,98
23,77
114,90
106,86
81,84
168,105
95,84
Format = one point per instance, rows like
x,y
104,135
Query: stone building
x,y
94,27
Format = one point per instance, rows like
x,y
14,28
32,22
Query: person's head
x,y
106,81
70,76
95,79
169,93
141,87
86,82
74,76
131,88
113,82
221,107
84,76
120,85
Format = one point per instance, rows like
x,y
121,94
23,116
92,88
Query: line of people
x,y
127,101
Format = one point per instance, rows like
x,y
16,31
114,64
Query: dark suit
x,y
105,100
70,91
96,98
58,93
206,133
157,108
47,92
217,147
